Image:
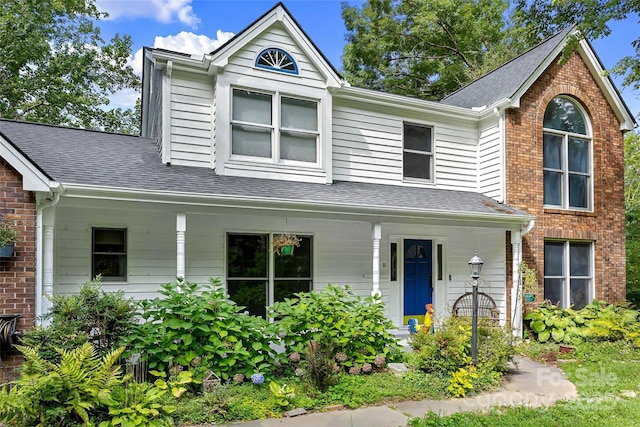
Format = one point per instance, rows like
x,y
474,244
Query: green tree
x,y
542,18
425,48
632,207
55,68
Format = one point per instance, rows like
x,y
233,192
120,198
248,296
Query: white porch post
x,y
181,232
48,221
376,234
516,291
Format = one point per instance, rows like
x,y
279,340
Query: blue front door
x,y
417,278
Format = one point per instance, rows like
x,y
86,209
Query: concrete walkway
x,y
531,384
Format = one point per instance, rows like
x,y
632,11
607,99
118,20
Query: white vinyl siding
x,y
342,249
243,62
367,147
191,119
491,159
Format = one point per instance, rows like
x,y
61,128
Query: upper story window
x,y
277,60
567,156
417,152
274,126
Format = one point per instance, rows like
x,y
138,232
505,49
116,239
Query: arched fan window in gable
x,y
277,60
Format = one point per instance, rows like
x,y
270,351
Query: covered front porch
x,y
408,258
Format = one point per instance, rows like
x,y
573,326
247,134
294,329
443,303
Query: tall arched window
x,y
277,60
567,156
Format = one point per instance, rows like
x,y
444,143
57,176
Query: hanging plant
x,y
9,235
283,244
529,281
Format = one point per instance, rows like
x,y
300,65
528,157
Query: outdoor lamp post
x,y
475,266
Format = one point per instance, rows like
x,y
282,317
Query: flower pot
x,y
529,297
6,251
287,250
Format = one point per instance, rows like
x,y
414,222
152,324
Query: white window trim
x,y
565,160
277,129
432,154
566,279
297,73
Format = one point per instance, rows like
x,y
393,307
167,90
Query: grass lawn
x,y
607,376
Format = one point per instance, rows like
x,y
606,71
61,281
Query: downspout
x,y
48,203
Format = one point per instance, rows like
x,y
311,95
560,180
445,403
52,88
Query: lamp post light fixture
x,y
475,267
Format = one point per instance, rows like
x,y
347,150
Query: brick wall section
x,y
524,177
18,273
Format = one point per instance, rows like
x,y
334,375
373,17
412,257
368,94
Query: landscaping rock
x,y
295,412
397,368
334,408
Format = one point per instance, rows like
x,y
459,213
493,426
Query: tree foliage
x,y
542,18
632,208
429,48
55,68
425,48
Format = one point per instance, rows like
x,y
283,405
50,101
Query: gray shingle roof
x,y
90,158
504,81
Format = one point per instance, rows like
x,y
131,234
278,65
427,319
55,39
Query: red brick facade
x,y
524,177
18,273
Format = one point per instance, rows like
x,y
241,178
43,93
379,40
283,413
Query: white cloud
x,y
161,10
124,99
185,42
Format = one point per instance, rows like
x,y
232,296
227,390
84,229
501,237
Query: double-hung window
x,y
417,152
568,273
257,277
567,156
274,127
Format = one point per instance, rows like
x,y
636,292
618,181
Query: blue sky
x,y
196,26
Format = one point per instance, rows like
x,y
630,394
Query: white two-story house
x,y
389,194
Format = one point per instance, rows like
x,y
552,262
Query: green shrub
x,y
70,392
447,352
92,315
598,321
336,318
198,323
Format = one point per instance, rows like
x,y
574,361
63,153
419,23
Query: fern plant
x,y
60,394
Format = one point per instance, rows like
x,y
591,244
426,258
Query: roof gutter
x,y
350,93
289,205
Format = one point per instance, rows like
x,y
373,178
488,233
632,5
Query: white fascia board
x,y
221,57
333,80
542,67
32,178
627,123
264,203
406,103
496,108
192,63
